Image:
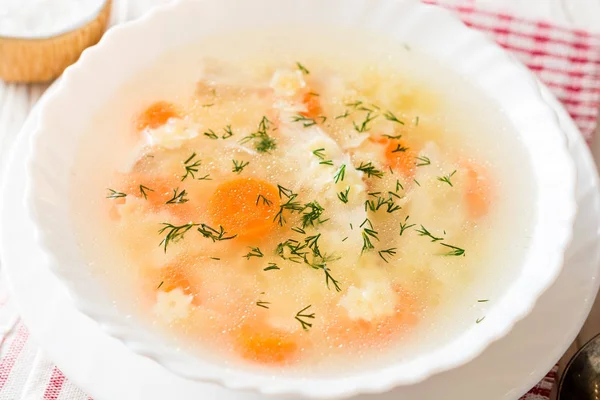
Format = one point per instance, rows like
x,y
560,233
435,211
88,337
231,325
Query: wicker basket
x,y
38,60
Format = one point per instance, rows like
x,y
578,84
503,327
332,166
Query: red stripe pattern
x,y
566,60
55,385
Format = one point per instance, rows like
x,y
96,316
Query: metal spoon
x,y
581,379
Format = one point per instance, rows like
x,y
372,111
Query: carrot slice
x,y
156,115
400,157
313,105
266,345
478,192
245,206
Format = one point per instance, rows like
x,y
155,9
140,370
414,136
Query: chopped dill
x,y
213,234
160,284
143,190
205,178
422,161
228,132
290,204
174,233
399,149
178,198
319,153
340,174
302,318
344,239
446,178
265,201
238,166
417,182
404,225
387,253
306,122
398,185
364,126
479,320
417,121
271,266
215,258
113,194
424,232
263,143
302,68
392,136
211,134
343,196
313,243
254,252
454,251
391,117
368,234
208,105
344,115
370,170
321,262
295,250
263,304
299,230
191,167
311,213
483,301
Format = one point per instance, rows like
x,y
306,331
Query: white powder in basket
x,y
45,18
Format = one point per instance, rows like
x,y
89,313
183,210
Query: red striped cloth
x,y
567,60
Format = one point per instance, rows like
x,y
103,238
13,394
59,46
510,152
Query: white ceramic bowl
x,y
125,50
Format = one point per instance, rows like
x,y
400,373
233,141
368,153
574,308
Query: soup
x,y
271,206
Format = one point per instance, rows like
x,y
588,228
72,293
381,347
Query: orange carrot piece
x,y
313,105
478,192
156,115
245,206
266,345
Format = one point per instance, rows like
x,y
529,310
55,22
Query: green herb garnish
x,y
113,194
211,134
143,190
306,122
265,201
343,196
271,266
422,161
174,233
263,304
363,127
302,68
391,117
446,178
191,167
238,166
454,251
213,234
424,232
388,252
178,197
404,226
300,316
254,252
340,174
370,170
